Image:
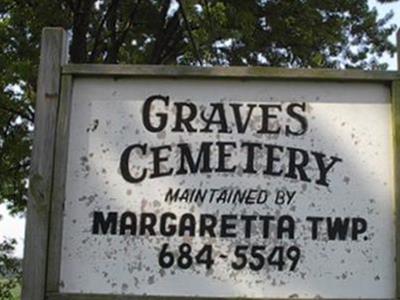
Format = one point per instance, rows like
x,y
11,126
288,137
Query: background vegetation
x,y
284,33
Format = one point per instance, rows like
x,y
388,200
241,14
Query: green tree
x,y
295,33
284,33
10,270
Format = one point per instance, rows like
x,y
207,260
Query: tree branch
x,y
189,30
79,31
111,26
16,112
94,52
160,33
128,24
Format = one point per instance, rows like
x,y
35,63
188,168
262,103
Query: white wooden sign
x,y
229,188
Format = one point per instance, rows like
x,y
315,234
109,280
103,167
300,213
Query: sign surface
x,y
229,188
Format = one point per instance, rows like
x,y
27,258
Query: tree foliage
x,y
10,270
284,33
295,33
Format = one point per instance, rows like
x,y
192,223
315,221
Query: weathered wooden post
x,y
53,55
396,131
398,49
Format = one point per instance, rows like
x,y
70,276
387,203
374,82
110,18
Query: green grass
x,y
16,292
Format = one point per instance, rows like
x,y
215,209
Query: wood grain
x,y
396,142
53,55
58,190
231,72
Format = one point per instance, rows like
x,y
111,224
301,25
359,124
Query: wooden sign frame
x,y
48,172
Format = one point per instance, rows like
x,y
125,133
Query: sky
x,y
383,9
14,227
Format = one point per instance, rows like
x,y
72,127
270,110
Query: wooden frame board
x,y
47,282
